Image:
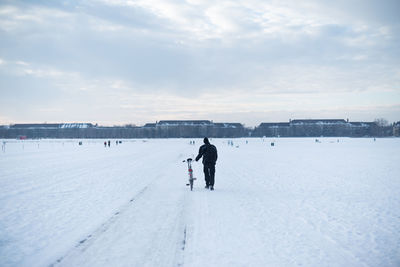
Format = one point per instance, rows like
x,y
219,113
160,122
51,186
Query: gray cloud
x,y
79,52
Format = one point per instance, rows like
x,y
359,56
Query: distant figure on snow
x,y
210,155
105,143
109,143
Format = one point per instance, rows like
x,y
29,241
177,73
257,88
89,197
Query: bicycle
x,y
190,173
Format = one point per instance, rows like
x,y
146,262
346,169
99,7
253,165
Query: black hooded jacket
x,y
209,154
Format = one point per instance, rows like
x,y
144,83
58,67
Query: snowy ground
x,y
296,203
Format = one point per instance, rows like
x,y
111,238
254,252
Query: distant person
x,y
109,143
210,155
105,143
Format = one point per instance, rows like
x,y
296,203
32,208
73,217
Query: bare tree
x,y
383,127
381,122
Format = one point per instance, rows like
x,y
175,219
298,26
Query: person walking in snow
x,y
210,155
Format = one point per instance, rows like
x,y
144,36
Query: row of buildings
x,y
316,128
201,128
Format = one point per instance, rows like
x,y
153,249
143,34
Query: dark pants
x,y
209,174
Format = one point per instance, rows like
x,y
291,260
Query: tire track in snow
x,y
184,239
162,236
184,217
85,242
181,262
186,223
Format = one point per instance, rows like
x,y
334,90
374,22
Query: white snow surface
x,y
298,203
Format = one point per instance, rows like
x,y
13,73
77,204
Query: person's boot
x,y
206,187
212,188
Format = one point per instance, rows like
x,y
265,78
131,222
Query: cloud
x,y
196,57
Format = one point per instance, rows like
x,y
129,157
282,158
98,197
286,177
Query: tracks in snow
x,y
85,242
146,231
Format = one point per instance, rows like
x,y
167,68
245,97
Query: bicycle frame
x,y
190,173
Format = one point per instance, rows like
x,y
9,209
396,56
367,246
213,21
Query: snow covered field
x,y
298,203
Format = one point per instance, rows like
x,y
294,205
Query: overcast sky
x,y
116,62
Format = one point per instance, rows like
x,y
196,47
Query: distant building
x,y
76,125
359,129
49,130
320,121
281,129
184,123
51,125
315,128
36,126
